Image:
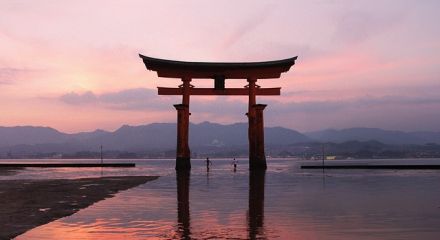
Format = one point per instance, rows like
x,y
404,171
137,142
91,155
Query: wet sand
x,y
9,171
25,204
64,165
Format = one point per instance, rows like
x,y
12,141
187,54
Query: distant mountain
x,y
156,136
10,136
356,150
88,135
137,138
212,134
204,137
376,134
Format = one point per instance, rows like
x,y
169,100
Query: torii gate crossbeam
x,y
252,71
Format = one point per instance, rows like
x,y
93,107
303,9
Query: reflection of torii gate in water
x,y
251,71
255,212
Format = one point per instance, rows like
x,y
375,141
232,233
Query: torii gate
x,y
252,71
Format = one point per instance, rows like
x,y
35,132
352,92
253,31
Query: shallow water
x,y
284,202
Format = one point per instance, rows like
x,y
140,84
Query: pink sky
x,y
74,65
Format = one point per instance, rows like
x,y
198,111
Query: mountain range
x,y
374,134
205,135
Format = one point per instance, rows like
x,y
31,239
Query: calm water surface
x,y
284,202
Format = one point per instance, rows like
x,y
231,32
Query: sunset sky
x,y
74,65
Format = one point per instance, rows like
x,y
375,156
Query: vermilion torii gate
x,y
252,71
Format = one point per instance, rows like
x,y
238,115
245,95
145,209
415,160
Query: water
x,y
285,202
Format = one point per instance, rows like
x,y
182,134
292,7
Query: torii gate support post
x,y
257,157
259,161
251,121
183,154
182,150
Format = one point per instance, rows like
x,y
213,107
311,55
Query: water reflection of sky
x,y
285,202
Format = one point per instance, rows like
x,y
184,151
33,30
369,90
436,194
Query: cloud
x,y
79,99
145,99
357,26
10,75
247,26
386,111
136,99
353,103
397,100
389,112
129,99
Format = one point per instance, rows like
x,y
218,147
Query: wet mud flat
x,y
25,204
9,171
64,165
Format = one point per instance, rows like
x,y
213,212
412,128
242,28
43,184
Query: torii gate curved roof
x,y
180,69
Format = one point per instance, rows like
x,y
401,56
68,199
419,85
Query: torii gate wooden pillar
x,y
251,71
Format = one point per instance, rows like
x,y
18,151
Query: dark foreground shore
x,y
25,204
64,165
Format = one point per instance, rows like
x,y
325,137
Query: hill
x,y
374,134
151,137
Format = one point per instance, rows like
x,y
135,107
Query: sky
x,y
74,65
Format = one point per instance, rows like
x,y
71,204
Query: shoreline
x,y
362,166
26,204
67,165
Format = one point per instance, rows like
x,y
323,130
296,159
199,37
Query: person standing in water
x,y
208,163
234,163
